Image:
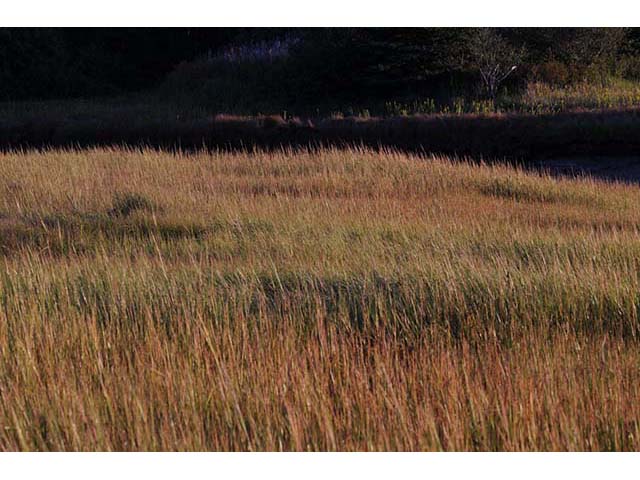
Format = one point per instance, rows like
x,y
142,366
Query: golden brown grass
x,y
337,300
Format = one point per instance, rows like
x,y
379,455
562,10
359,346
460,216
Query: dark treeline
x,y
40,63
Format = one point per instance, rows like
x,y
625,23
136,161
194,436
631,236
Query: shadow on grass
x,y
517,137
61,235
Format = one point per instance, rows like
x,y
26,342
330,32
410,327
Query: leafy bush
x,y
552,73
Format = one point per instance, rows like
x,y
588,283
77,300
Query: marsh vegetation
x,y
313,300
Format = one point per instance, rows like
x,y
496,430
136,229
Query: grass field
x,y
336,300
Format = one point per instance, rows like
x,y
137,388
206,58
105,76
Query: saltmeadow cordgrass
x,y
327,300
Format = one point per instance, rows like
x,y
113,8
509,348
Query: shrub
x,y
552,72
628,66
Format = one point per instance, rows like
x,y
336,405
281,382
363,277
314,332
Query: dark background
x,y
62,63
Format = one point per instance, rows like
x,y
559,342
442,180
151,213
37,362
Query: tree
x,y
594,50
494,57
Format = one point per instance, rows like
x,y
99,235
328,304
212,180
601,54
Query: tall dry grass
x,y
336,300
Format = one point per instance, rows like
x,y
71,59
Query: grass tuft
x,y
124,204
